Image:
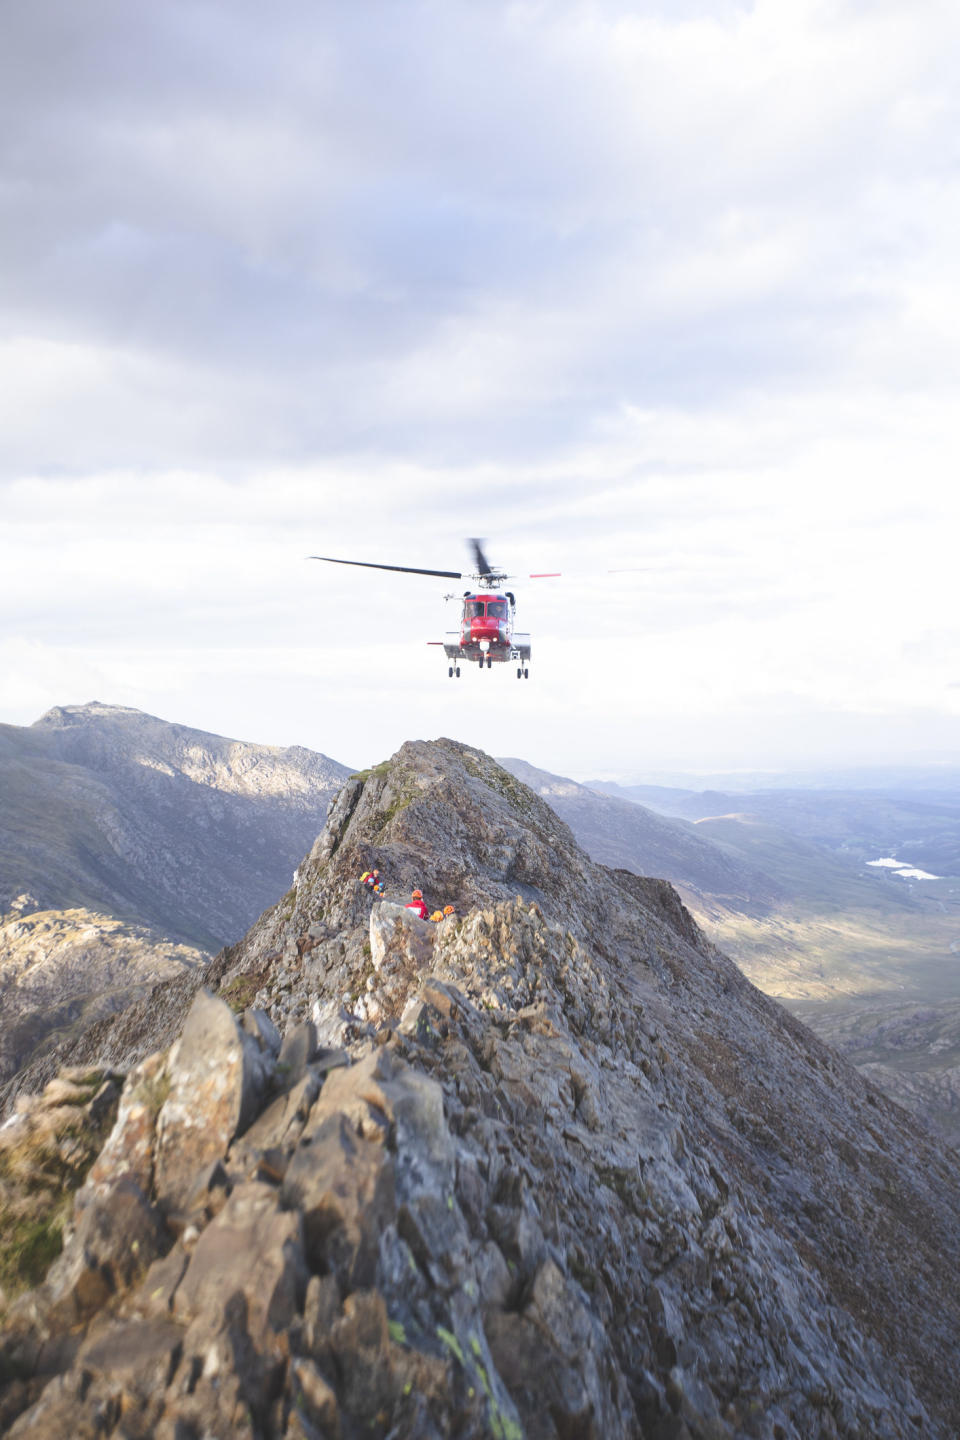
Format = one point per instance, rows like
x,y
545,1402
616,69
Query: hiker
x,y
370,878
416,904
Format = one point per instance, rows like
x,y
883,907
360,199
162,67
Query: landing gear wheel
x,y
450,672
489,662
526,673
457,672
519,674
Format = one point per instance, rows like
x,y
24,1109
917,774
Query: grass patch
x,y
42,1164
378,770
29,1249
240,992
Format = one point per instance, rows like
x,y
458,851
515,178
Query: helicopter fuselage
x,y
486,629
486,634
486,626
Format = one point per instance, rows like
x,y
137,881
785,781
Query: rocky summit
x,y
550,1167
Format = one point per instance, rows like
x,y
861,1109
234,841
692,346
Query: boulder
x,y
297,1050
215,1084
252,1249
343,1184
117,1235
258,1024
399,937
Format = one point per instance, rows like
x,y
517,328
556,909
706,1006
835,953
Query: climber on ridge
x,y
370,878
417,905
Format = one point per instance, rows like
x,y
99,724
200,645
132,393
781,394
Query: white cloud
x,y
613,285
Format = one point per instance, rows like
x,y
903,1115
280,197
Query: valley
x,y
782,881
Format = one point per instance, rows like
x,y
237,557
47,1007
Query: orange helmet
x,y
417,895
448,910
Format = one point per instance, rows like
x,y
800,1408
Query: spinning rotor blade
x,y
484,567
403,569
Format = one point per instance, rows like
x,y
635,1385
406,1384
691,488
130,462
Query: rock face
x,y
550,1168
191,834
62,970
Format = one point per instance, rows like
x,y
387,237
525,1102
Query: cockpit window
x,y
497,609
472,609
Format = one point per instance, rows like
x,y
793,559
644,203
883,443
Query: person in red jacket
x,y
417,905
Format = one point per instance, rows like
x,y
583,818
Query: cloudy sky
x,y
664,289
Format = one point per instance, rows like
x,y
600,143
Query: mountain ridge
x,y
552,1167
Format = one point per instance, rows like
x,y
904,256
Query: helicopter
x,y
486,635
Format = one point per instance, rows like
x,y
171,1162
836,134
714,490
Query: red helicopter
x,y
486,633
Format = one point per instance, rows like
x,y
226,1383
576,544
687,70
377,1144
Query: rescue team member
x,y
417,906
370,878
439,915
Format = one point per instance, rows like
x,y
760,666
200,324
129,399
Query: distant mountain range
x,y
191,834
617,832
912,820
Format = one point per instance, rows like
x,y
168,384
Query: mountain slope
x,y
579,1177
620,833
846,945
62,970
109,809
806,920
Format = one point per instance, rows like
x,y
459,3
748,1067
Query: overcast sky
x,y
670,288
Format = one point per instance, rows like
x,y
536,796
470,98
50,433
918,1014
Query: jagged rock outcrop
x,y
62,970
550,1168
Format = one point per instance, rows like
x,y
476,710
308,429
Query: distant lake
x,y
905,871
